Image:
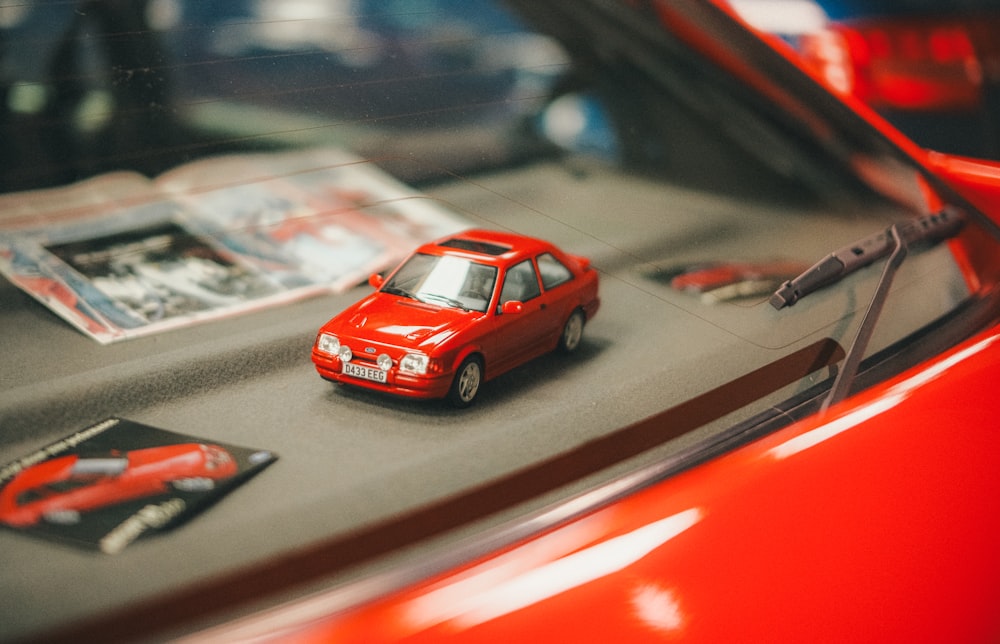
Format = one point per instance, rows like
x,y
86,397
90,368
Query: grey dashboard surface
x,y
350,459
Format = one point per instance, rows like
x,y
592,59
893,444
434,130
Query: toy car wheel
x,y
572,333
465,386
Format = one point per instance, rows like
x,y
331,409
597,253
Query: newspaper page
x,y
121,255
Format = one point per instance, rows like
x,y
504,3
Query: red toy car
x,y
58,490
459,311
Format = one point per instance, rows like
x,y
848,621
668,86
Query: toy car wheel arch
x,y
468,378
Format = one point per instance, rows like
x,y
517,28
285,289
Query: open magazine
x,y
122,255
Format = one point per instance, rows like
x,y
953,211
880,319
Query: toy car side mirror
x,y
376,280
512,306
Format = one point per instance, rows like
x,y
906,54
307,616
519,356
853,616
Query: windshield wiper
x,y
837,265
423,297
447,300
398,290
894,242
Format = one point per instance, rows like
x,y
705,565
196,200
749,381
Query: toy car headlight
x,y
328,343
415,363
384,362
344,353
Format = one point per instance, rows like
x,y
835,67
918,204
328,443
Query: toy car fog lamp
x,y
384,362
344,353
328,343
415,363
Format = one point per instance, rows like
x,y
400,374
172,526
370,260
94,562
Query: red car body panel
x,y
396,325
876,522
76,484
977,180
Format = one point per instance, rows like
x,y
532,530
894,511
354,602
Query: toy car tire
x,y
572,332
465,386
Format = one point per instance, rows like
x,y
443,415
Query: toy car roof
x,y
486,245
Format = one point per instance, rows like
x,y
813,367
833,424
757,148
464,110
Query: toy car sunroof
x,y
474,246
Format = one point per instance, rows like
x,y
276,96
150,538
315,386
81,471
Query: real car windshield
x,y
189,189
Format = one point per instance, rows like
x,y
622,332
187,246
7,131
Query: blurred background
x,y
89,86
92,86
931,67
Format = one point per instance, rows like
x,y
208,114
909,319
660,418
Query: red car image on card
x,y
117,481
458,312
60,489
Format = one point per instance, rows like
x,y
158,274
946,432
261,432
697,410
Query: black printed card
x,y
117,481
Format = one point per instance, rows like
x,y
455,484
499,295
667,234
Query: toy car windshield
x,y
447,280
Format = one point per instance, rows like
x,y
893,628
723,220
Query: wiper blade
x,y
444,298
837,265
398,290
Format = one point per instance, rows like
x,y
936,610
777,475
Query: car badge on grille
x,y
369,349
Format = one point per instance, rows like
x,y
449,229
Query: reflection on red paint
x,y
904,64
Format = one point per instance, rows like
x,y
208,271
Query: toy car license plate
x,y
367,373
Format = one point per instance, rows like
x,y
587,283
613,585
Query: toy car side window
x,y
478,286
552,270
520,283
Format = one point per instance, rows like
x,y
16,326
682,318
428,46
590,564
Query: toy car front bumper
x,y
397,383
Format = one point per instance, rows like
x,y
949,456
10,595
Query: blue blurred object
x,y
851,9
578,122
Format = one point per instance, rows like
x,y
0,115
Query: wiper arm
x,y
845,377
893,242
837,265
